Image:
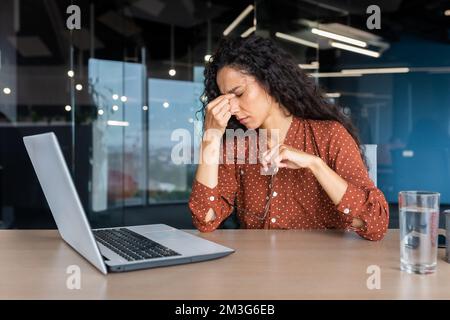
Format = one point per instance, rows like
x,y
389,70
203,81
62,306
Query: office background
x,y
114,91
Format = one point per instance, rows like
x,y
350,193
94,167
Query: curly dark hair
x,y
279,75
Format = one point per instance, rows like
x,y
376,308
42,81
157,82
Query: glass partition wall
x,y
122,93
387,65
116,92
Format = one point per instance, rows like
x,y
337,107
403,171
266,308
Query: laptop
x,y
109,249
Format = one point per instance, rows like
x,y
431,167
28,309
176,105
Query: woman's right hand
x,y
218,113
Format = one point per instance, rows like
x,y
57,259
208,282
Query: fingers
x,y
268,155
224,115
279,158
223,111
274,157
218,100
224,105
218,113
277,161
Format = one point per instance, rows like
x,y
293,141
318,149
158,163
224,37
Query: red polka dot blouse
x,y
294,199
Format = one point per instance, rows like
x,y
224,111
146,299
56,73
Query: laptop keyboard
x,y
131,245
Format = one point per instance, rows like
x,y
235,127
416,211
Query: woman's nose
x,y
234,103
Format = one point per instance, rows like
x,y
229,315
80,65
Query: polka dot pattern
x,y
296,199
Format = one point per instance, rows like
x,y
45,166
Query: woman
x,y
320,180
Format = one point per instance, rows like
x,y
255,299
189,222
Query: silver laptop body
x,y
161,245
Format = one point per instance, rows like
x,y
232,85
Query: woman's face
x,y
251,104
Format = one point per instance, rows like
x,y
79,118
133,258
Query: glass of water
x,y
419,219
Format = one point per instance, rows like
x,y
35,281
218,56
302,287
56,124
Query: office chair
x,y
370,153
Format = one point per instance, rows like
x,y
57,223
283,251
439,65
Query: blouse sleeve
x,y
362,199
220,199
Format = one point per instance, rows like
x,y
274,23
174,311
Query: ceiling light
x,y
118,123
123,98
297,40
6,90
375,70
248,32
309,66
333,75
115,107
79,87
70,73
100,112
366,52
67,108
338,37
238,20
333,94
172,72
115,96
447,13
145,108
207,57
166,104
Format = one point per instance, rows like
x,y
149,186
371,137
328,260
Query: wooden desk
x,y
267,264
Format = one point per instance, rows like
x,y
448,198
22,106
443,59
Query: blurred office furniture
x,y
370,153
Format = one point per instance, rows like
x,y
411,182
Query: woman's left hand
x,y
283,156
